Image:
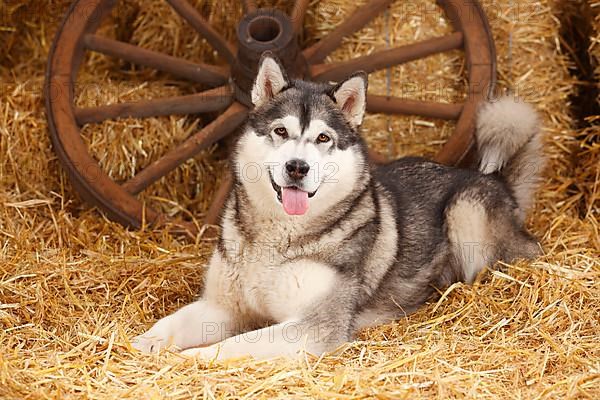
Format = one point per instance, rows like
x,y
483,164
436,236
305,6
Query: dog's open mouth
x,y
293,199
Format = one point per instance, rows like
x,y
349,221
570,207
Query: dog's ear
x,y
270,80
351,97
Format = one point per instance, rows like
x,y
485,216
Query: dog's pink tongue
x,y
295,201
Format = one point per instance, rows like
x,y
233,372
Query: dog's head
x,y
301,151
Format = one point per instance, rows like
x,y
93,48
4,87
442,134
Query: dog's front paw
x,y
147,344
159,337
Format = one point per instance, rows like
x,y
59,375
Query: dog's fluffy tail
x,y
509,141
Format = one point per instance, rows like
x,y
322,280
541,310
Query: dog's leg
x,y
325,325
284,339
287,339
481,234
200,323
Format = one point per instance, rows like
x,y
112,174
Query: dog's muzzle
x,y
277,188
293,198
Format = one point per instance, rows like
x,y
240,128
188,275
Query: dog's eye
x,y
281,132
323,138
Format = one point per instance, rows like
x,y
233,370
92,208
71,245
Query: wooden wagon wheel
x,y
259,30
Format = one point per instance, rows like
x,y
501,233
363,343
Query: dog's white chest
x,y
284,291
267,278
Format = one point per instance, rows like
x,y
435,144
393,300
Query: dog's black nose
x,y
297,169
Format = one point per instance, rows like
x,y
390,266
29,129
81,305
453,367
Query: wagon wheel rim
x,y
229,87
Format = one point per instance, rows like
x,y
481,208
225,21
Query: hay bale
x,y
27,28
594,49
74,287
588,169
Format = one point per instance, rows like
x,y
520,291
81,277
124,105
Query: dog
x,y
316,243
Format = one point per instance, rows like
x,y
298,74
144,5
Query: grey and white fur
x,y
317,243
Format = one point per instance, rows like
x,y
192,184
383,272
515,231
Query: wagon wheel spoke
x,y
317,52
226,123
218,42
298,13
212,215
396,105
210,100
387,58
249,6
376,157
196,72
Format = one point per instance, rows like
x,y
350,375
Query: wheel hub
x,y
263,30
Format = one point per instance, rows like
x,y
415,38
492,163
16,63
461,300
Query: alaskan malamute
x,y
316,243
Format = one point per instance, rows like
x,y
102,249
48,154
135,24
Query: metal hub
x,y
266,29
